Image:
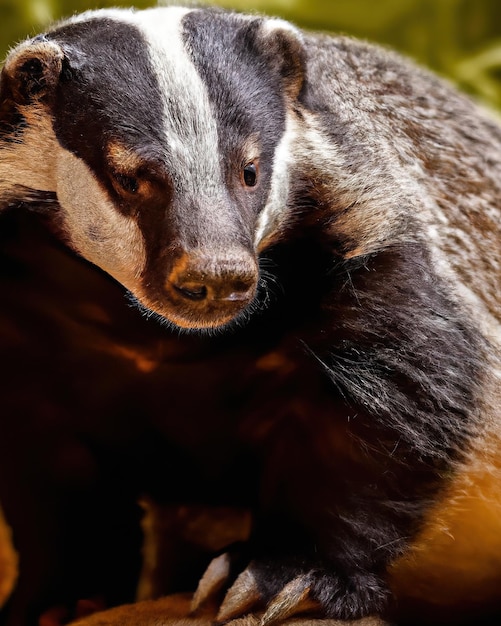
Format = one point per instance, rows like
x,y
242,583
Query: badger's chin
x,y
210,319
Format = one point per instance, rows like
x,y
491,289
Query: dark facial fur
x,y
189,218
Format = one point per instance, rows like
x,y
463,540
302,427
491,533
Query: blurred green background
x,y
458,38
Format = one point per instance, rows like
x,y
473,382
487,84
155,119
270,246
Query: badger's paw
x,y
278,590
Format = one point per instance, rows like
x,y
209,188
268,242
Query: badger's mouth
x,y
203,314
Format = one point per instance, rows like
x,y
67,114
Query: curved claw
x,y
242,597
212,582
294,598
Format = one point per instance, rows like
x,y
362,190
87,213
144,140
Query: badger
x,y
314,223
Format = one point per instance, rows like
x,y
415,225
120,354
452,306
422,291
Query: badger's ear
x,y
31,71
283,46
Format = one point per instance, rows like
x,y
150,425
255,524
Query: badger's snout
x,y
208,288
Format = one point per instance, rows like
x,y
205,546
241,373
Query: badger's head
x,y
157,133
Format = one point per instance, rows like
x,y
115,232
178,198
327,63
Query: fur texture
x,y
326,217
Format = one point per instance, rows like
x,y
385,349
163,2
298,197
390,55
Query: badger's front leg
x,y
327,533
292,576
290,573
329,528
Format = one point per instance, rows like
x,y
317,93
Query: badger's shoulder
x,y
406,143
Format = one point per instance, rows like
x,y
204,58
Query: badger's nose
x,y
223,278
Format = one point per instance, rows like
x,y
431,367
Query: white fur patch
x,y
190,128
275,209
271,25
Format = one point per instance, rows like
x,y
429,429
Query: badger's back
x,y
423,154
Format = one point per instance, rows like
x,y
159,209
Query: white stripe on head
x,y
190,127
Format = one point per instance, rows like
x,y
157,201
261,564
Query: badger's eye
x,y
249,174
127,183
